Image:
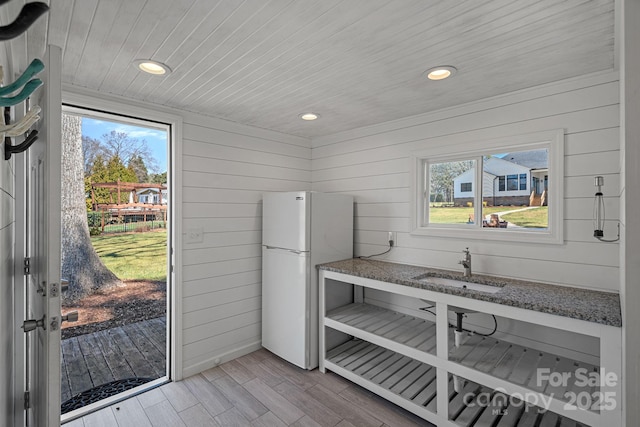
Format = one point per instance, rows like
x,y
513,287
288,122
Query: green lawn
x,y
134,256
458,215
532,218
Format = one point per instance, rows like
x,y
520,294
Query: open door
x,y
42,395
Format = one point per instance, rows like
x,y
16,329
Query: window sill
x,y
491,234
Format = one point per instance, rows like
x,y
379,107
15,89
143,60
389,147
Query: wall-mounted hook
x,y
22,126
34,68
24,146
26,91
28,15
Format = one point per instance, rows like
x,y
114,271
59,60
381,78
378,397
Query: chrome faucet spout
x,y
466,263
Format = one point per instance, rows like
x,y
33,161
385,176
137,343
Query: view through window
x,y
512,190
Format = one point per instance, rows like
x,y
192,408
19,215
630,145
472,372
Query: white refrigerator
x,y
299,231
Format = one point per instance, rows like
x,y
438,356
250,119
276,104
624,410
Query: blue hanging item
x,y
34,68
24,94
27,16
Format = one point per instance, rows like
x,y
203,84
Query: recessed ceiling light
x,y
152,67
309,116
440,72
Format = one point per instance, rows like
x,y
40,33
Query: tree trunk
x,y
80,262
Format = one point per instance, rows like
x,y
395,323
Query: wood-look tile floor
x,y
258,389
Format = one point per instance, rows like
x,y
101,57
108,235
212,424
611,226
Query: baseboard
x,y
218,359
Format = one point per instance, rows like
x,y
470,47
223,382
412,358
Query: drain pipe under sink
x,y
458,383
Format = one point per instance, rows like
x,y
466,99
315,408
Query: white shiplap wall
x,y
226,169
373,165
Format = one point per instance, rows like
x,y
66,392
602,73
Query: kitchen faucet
x,y
466,263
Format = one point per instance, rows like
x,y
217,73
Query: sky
x,y
156,138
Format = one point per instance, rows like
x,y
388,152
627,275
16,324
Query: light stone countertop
x,y
584,304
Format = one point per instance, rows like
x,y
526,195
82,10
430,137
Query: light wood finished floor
x,y
258,389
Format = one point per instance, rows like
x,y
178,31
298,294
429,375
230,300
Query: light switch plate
x,y
194,235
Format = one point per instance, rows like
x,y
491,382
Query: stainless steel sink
x,y
437,279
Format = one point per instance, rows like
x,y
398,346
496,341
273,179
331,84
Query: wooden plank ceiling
x,y
355,62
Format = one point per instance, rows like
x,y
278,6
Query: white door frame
x,y
40,202
92,100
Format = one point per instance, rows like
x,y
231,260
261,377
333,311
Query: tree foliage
x,y
158,178
137,166
111,170
120,144
91,150
441,176
132,152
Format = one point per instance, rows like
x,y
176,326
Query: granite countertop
x,y
583,304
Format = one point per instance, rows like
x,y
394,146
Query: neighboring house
x,y
150,196
507,180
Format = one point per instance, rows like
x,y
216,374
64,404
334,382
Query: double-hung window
x,y
482,190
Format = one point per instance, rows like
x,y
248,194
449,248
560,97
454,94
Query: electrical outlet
x,y
392,238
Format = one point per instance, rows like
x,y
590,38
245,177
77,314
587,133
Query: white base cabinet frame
x,y
342,319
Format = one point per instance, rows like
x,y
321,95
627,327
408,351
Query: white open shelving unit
x,y
411,361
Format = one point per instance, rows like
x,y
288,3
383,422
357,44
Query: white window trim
x,y
553,139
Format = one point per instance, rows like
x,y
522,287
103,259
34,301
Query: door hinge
x,y
27,400
27,264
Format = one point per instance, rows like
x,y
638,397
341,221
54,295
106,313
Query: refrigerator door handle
x,y
283,249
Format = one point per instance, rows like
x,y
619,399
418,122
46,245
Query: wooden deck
x,y
137,350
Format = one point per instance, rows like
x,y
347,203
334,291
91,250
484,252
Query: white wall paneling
x,y
214,284
373,165
226,169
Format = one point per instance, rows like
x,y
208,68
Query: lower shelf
x,y
523,366
412,385
510,362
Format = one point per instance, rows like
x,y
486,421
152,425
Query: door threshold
x,y
103,403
